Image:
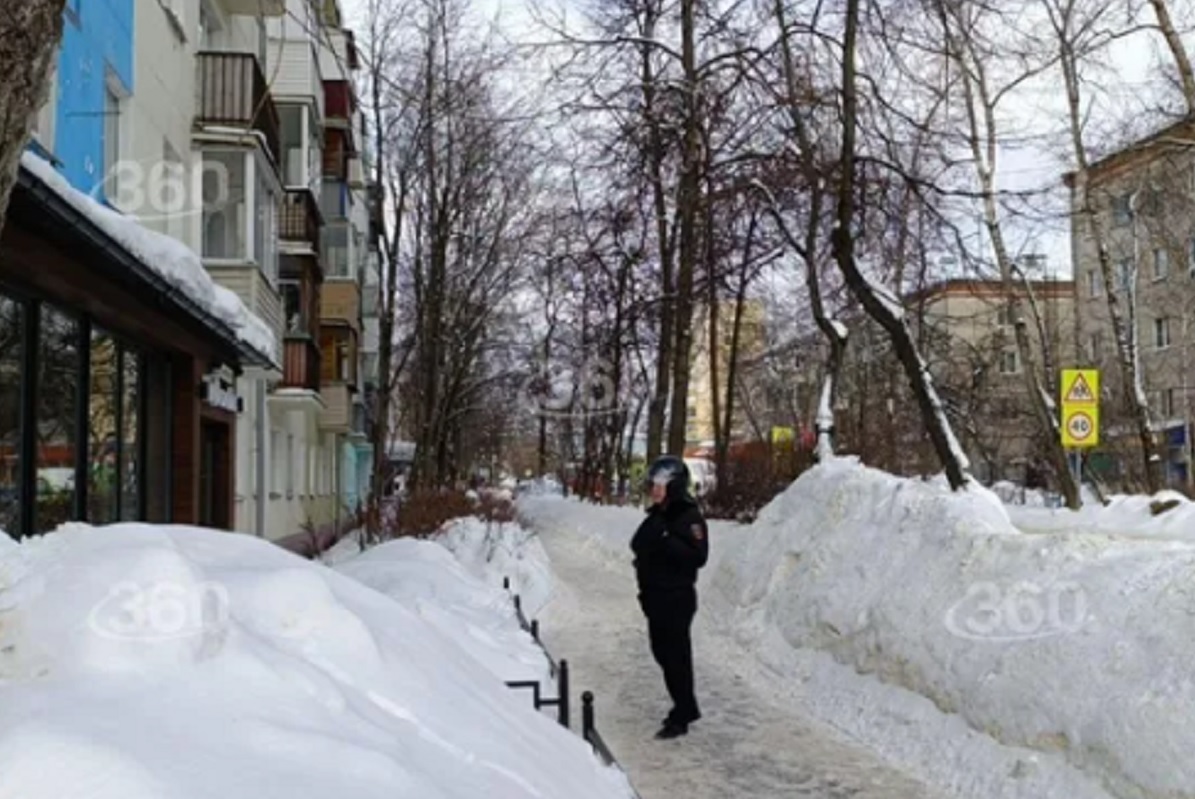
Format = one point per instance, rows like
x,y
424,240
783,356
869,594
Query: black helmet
x,y
672,472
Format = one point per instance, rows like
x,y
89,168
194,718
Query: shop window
x,y
130,436
103,419
56,425
294,154
11,321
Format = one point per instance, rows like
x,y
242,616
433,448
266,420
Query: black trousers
x,y
669,620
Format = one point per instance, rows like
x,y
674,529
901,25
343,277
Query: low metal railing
x,y
560,673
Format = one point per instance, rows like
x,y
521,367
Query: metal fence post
x,y
587,716
563,690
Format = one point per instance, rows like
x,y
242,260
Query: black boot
x,y
672,729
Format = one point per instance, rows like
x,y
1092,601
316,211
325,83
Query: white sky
x,y
1128,88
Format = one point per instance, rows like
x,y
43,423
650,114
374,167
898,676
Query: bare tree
x,y
880,304
1079,32
29,36
972,53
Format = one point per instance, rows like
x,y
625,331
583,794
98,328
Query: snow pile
x,y
478,616
1074,644
142,662
1129,516
1072,648
494,551
170,259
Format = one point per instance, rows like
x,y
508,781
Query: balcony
x,y
233,92
337,416
300,218
301,363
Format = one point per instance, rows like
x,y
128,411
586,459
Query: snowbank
x,y
477,615
142,662
492,552
1074,645
170,259
1127,516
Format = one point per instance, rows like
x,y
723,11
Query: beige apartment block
x,y
1144,202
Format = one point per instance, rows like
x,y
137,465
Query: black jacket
x,y
670,546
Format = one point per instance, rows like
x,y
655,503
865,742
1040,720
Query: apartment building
x,y
750,395
964,329
119,353
230,126
1144,200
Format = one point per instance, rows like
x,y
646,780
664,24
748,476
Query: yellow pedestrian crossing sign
x,y
1080,407
1080,391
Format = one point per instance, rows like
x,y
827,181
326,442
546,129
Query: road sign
x,y
1080,386
1080,408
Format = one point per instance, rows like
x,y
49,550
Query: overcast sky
x,y
1131,84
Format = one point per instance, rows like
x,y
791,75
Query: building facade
x,y
1144,203
207,121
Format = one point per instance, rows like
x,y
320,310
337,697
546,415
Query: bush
x,y
425,512
755,473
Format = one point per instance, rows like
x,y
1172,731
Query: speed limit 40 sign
x,y
1080,408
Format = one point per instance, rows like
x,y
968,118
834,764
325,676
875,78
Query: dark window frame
x,y
31,308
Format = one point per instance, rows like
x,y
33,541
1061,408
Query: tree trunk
x,y
1181,60
688,208
658,408
1126,338
29,34
884,310
984,149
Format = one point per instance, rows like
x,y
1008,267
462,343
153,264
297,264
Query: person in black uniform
x,y
670,546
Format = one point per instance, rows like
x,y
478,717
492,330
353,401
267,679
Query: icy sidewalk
x,y
746,746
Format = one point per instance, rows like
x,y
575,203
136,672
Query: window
x,y
1004,317
335,242
111,143
337,355
11,323
224,199
265,226
277,463
1010,362
1093,283
1164,403
333,200
290,465
293,153
57,404
1162,332
1191,256
209,27
1122,209
1095,348
1161,263
292,306
1124,274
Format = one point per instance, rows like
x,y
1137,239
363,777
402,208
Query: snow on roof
x,y
170,259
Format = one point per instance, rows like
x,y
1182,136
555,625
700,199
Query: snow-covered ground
x,y
143,662
1123,516
988,662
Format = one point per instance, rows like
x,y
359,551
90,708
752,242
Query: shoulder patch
x,y
698,531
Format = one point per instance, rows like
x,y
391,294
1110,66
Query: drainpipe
x,y
260,432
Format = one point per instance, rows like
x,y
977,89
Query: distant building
x,y
1144,196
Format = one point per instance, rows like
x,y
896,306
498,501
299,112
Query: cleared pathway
x,y
747,745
